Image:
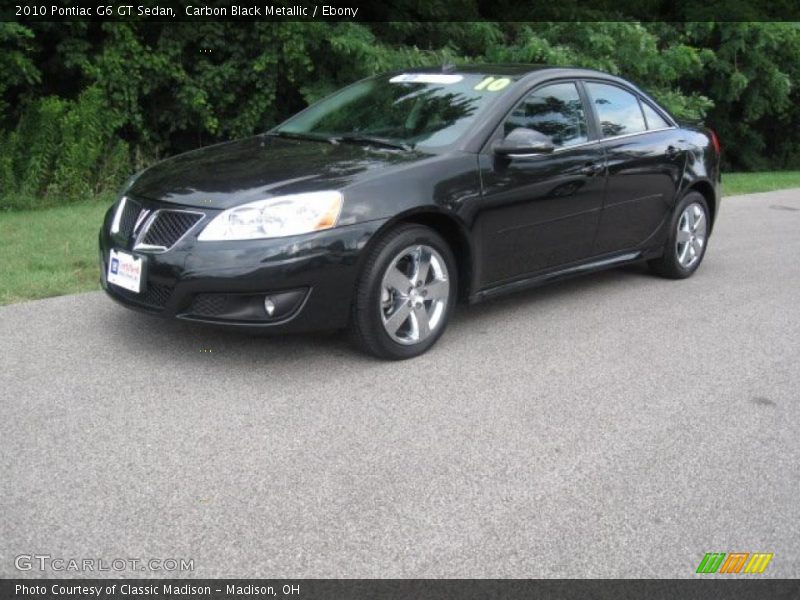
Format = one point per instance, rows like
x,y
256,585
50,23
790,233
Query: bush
x,y
83,104
62,151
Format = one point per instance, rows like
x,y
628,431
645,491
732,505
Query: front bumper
x,y
312,278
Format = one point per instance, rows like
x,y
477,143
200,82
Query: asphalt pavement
x,y
618,425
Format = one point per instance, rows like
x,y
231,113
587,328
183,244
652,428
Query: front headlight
x,y
275,217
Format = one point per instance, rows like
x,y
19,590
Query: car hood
x,y
233,173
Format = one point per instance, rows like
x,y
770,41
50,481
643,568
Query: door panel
x,y
644,167
643,178
539,213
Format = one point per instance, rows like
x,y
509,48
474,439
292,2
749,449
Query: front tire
x,y
405,293
688,238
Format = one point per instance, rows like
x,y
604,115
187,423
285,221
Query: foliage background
x,y
84,104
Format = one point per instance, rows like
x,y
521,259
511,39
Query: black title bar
x,y
400,10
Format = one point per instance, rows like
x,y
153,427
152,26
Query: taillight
x,y
715,141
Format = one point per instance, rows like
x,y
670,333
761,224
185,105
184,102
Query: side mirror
x,y
523,141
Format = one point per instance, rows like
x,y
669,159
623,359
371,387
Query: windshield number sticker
x,y
490,84
442,79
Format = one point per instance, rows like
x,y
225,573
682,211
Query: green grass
x,y
735,184
50,252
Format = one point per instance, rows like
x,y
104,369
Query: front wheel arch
x,y
451,229
366,328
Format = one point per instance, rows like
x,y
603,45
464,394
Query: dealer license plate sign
x,y
125,270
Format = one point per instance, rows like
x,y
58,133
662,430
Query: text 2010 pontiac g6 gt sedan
x,y
380,206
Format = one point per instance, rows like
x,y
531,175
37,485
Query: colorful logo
x,y
736,562
114,265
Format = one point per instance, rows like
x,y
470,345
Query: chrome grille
x,y
165,228
127,220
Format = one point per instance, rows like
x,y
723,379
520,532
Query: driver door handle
x,y
592,169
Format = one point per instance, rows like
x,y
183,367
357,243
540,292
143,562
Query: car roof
x,y
528,74
512,69
516,70
525,74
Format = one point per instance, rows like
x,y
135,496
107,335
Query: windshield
x,y
417,110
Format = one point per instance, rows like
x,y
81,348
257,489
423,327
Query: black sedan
x,y
379,207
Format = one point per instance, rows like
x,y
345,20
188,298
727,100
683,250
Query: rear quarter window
x,y
654,120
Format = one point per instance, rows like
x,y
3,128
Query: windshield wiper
x,y
369,139
292,135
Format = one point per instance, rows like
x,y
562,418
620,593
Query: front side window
x,y
554,110
619,111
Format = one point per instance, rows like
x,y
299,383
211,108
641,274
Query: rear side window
x,y
619,111
555,110
654,120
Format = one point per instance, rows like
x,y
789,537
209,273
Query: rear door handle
x,y
592,169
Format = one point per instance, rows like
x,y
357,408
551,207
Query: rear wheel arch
x,y
684,221
707,191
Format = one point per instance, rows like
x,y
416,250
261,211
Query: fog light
x,y
269,306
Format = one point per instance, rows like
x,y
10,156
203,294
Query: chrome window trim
x,y
142,247
530,155
614,137
626,135
581,145
591,143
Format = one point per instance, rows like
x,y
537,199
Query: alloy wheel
x,y
414,294
691,237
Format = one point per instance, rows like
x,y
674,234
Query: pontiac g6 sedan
x,y
381,206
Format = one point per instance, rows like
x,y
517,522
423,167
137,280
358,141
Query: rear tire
x,y
405,294
688,238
